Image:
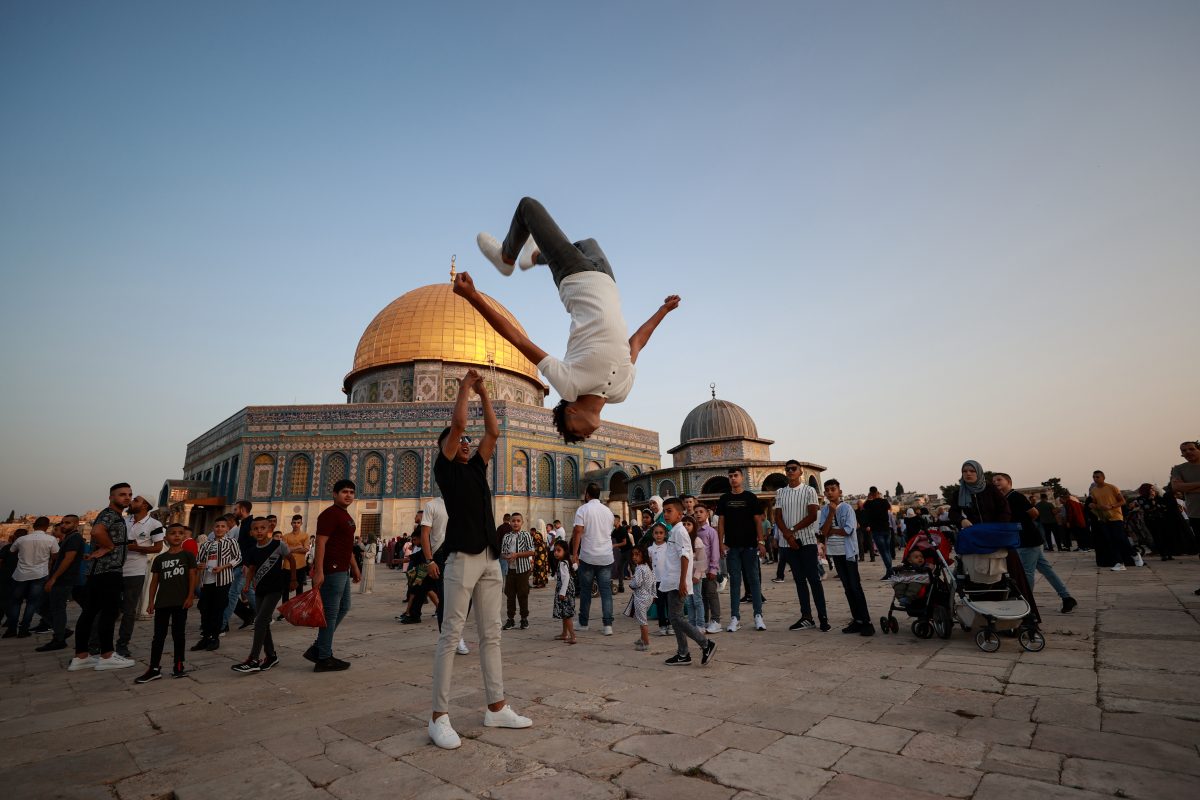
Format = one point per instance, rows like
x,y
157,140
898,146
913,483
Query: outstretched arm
x,y
464,287
491,428
458,422
642,334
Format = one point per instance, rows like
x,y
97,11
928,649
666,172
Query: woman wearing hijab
x,y
980,501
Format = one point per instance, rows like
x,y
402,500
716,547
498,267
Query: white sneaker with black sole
x,y
713,627
759,625
733,625
491,251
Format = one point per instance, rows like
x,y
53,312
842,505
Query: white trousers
x,y
470,580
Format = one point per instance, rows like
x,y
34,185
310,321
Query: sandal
x,y
561,638
570,641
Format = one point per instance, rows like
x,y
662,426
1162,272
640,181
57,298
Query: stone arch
x,y
639,494
717,484
812,481
666,488
776,480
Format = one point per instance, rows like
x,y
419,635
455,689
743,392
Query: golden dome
x,y
432,323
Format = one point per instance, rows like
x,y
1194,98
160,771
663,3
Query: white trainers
x,y
505,718
608,630
733,625
528,253
713,627
759,625
491,251
113,662
1137,560
1118,567
462,647
82,663
443,734
581,628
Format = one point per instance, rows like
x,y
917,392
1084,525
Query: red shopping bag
x,y
305,610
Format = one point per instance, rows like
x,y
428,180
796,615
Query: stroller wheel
x,y
922,629
894,624
884,627
987,641
1032,640
942,625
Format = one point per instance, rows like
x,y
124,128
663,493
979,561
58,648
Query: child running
x,y
642,586
269,573
172,586
598,367
564,593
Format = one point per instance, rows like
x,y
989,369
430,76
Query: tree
x,y
1055,486
899,488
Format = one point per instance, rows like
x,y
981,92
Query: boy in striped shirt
x,y
517,550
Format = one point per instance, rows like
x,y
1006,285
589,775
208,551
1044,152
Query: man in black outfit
x,y
875,515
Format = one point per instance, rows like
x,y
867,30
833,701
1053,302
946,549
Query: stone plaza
x,y
1111,707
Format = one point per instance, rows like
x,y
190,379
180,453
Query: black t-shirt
x,y
276,577
620,536
737,512
71,543
471,525
1019,505
173,571
245,539
876,513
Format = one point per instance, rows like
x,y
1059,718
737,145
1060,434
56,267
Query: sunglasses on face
x,y
465,440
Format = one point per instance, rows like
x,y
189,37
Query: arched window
x,y
410,475
371,483
774,481
264,467
520,472
718,484
639,495
299,475
635,470
812,481
336,469
570,479
667,489
545,475
594,466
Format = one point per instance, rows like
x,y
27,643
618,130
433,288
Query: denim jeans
x,y
235,594
60,594
807,575
743,563
131,606
883,543
584,577
1034,559
31,593
335,596
694,606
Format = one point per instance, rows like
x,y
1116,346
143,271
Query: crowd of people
x,y
678,559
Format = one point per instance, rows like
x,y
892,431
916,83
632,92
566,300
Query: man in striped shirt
x,y
517,550
796,509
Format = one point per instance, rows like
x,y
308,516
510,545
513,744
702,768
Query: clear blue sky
x,y
905,233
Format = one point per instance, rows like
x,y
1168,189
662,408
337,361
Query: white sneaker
x,y
528,252
759,625
491,251
713,627
113,662
733,625
443,734
505,718
582,628
665,630
1137,560
82,663
1118,567
608,630
462,647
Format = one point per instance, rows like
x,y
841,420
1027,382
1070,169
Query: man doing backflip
x,y
598,367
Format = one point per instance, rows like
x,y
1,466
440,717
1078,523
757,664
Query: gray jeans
x,y
262,625
683,628
131,601
712,599
564,257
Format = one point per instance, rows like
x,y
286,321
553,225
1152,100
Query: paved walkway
x,y
1110,708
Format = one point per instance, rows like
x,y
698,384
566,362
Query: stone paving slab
x,y
1112,705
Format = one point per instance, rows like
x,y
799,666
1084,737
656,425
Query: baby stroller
x,y
925,593
990,598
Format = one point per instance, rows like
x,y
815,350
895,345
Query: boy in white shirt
x,y
598,367
837,524
33,552
676,580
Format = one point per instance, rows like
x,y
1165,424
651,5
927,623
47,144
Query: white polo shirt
x,y
678,545
434,516
143,534
597,360
595,546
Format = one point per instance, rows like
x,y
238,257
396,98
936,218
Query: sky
x,y
906,234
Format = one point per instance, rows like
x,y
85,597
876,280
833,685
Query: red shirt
x,y
190,546
339,526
